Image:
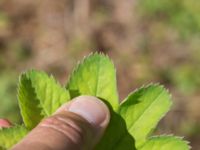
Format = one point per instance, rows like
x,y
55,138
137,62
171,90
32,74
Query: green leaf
x,y
143,109
96,76
116,136
165,143
39,96
10,136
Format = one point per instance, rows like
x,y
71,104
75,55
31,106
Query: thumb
x,y
77,125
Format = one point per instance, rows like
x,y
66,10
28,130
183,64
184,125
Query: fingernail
x,y
90,108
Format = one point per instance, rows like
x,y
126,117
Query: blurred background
x,y
148,40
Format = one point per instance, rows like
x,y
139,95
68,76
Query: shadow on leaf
x,y
116,136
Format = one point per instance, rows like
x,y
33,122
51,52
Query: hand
x,y
77,125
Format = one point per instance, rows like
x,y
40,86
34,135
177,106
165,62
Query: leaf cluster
x,y
132,121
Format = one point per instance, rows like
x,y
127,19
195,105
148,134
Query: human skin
x,y
76,125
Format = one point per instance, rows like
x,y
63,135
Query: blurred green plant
x,y
186,78
182,15
4,21
9,106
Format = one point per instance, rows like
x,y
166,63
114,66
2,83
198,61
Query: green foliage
x,y
39,96
131,121
165,143
10,136
95,75
137,109
116,135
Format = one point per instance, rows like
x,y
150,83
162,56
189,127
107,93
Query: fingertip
x,y
4,123
90,108
78,124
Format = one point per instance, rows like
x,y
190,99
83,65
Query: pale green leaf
x,y
39,96
96,76
143,109
165,143
11,136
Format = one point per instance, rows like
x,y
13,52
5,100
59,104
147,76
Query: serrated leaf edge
x,y
171,136
17,127
19,84
145,86
81,62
